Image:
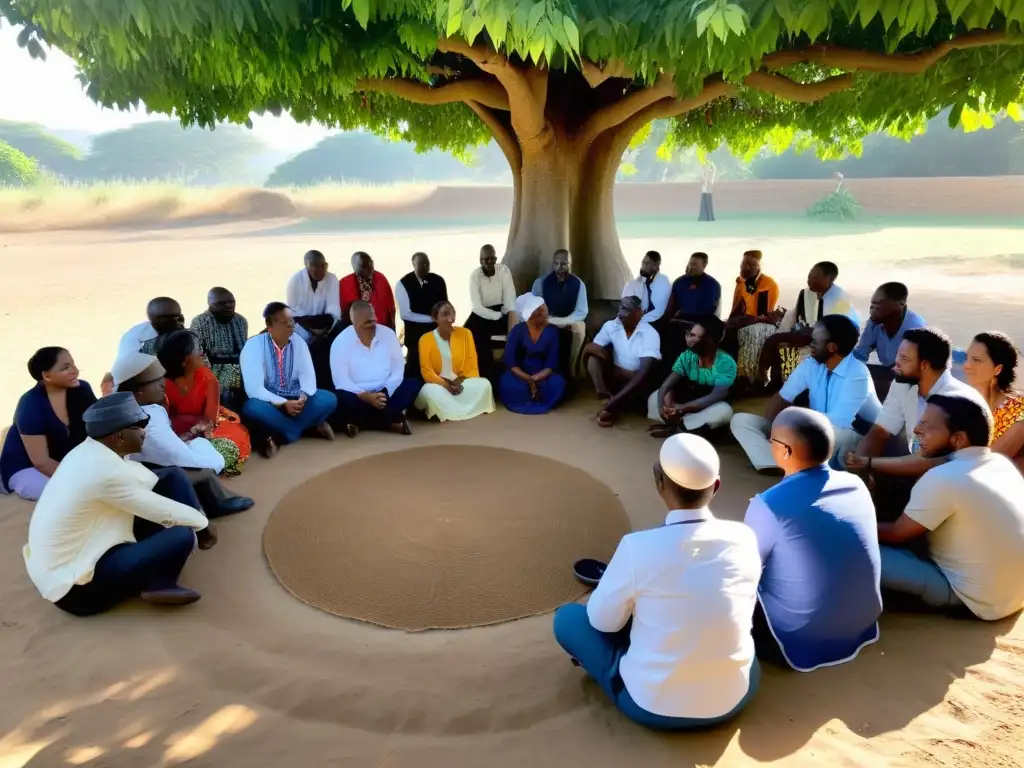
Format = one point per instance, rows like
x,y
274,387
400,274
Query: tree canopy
x,y
16,168
52,153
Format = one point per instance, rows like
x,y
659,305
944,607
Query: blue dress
x,y
532,357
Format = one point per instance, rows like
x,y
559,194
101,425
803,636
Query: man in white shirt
x,y
970,510
314,295
837,384
492,299
107,529
652,287
667,632
821,297
566,298
416,294
369,376
280,382
163,316
144,377
620,361
922,369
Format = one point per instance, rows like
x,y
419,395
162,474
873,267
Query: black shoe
x,y
170,596
230,506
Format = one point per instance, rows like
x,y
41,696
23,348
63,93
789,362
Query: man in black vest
x,y
566,299
416,294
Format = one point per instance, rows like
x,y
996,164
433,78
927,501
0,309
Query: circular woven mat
x,y
442,537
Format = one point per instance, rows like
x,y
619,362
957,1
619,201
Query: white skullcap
x,y
133,364
527,304
689,461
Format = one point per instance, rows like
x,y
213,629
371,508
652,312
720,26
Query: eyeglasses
x,y
789,448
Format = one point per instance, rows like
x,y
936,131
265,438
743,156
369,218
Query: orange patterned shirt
x,y
1008,414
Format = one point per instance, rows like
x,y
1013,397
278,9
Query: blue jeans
x,y
352,410
599,654
905,572
287,429
153,562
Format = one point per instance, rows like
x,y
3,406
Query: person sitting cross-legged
x,y
837,384
621,359
453,389
970,512
280,381
531,383
369,376
492,299
693,396
416,295
667,632
107,530
314,296
566,298
819,598
222,333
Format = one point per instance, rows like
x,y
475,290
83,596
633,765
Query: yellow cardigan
x,y
464,361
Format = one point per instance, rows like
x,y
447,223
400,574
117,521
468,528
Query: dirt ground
x,y
252,677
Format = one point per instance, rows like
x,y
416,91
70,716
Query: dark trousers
x,y
613,379
413,333
352,410
765,644
208,490
153,562
320,352
482,330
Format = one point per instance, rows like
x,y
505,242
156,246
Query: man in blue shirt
x,y
837,385
819,597
888,319
695,294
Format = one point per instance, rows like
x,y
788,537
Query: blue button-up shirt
x,y
885,346
841,394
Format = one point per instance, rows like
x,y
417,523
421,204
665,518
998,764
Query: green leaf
x,y
361,8
325,52
536,49
868,9
704,19
572,32
472,27
955,114
736,19
718,26
956,8
1015,112
536,14
454,21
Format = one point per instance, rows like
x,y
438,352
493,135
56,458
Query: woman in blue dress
x,y
530,384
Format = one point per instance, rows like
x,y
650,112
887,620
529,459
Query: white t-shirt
x,y
164,448
629,351
904,405
691,590
973,507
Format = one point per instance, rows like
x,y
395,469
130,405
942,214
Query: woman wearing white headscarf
x,y
530,384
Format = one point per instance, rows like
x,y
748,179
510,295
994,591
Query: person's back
x,y
695,587
977,503
820,584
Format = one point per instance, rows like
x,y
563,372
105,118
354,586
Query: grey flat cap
x,y
113,413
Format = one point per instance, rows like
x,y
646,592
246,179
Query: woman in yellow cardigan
x,y
452,386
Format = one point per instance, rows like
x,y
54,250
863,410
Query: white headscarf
x,y
527,304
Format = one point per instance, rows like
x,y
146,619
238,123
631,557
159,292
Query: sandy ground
x,y
249,676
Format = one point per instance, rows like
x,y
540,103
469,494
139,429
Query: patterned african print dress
x,y
187,409
1007,414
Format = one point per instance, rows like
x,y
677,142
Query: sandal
x,y
663,432
605,419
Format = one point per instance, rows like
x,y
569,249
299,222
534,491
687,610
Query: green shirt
x,y
722,372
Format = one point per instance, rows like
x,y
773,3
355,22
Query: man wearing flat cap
x,y
666,634
142,375
106,529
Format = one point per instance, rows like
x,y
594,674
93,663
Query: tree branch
x,y
488,93
790,90
526,95
895,63
714,88
502,133
617,112
596,75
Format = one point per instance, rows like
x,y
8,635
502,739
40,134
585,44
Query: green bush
x,y
16,168
841,205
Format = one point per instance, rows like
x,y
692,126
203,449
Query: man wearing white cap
x,y
667,631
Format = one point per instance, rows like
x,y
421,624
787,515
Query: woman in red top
x,y
193,400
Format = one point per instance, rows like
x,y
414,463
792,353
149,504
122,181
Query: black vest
x,y
422,298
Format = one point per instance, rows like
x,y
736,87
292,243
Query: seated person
x,y
222,333
280,383
163,315
693,396
695,295
969,508
819,598
838,385
565,296
889,319
47,423
314,296
753,317
194,401
453,389
621,361
991,368
652,287
667,638
143,377
417,294
106,530
922,370
368,285
786,348
531,384
369,375
492,299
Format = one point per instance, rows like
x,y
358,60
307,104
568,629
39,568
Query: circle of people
x,y
899,477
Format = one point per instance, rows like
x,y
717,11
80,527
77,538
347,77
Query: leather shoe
x,y
231,506
170,596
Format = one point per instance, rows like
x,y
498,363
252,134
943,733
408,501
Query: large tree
x,y
562,85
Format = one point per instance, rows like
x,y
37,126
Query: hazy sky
x,y
47,92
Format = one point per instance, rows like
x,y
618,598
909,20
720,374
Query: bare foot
x,y
268,449
325,431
